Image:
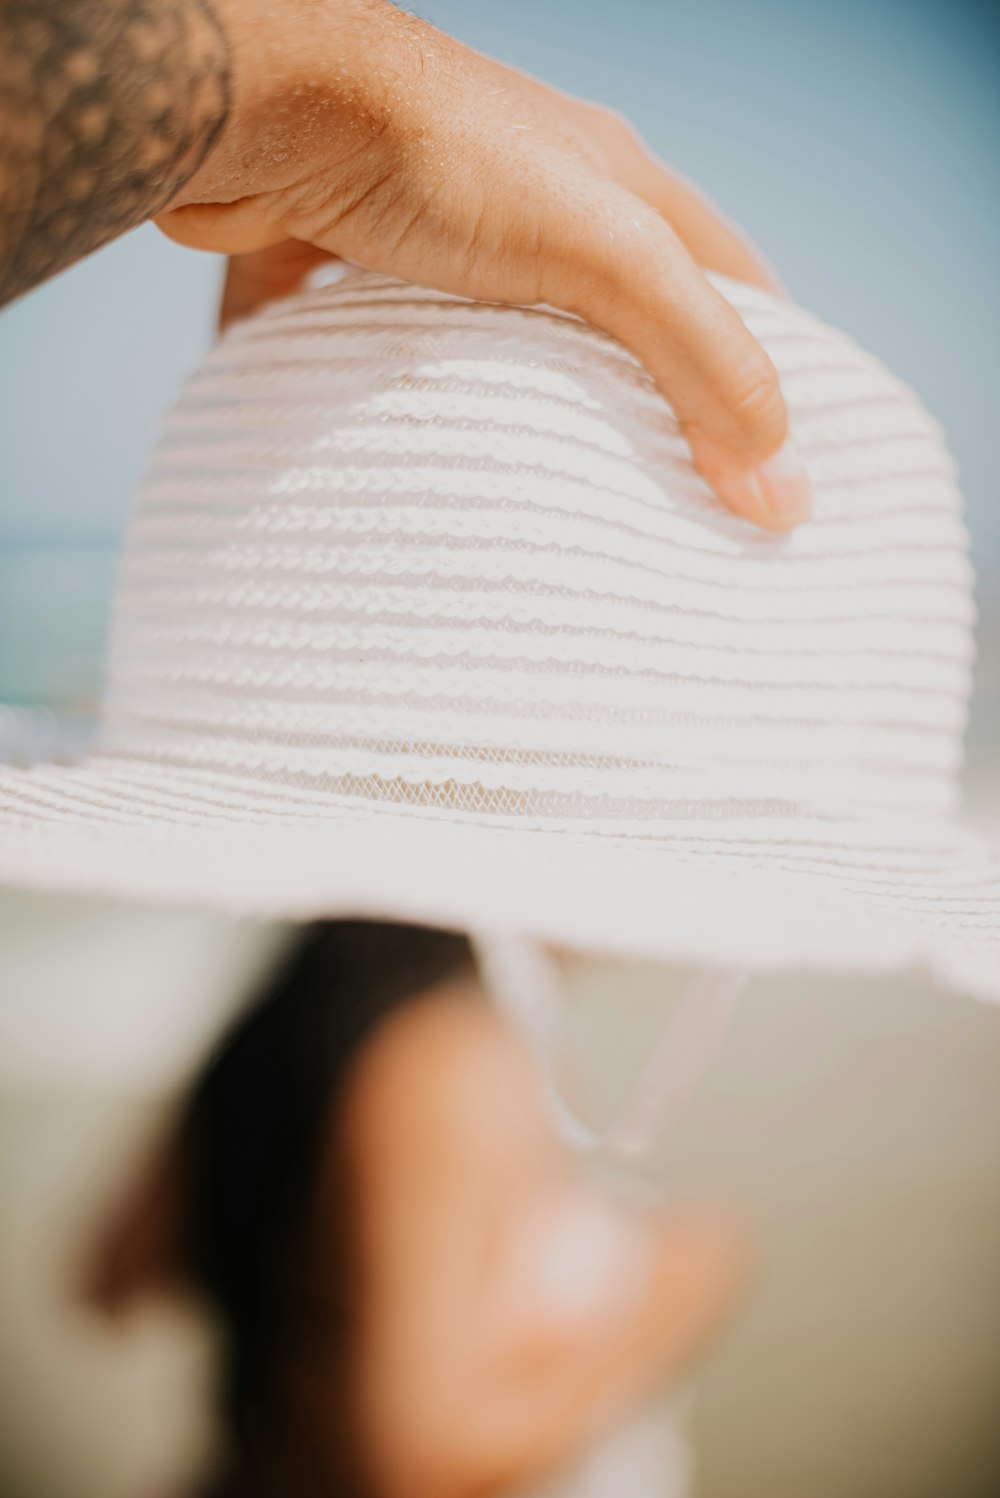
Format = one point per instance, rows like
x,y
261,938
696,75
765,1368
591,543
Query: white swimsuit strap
x,y
527,983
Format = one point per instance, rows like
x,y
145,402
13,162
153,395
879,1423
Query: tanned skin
x,y
109,107
283,131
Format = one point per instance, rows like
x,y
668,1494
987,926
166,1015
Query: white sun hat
x,y
424,614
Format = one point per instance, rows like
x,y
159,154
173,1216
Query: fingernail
x,y
784,485
777,495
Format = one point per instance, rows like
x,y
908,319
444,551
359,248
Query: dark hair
x,y
255,1127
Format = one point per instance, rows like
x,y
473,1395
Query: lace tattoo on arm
x,y
106,108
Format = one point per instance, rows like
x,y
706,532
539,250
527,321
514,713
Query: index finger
x,y
620,265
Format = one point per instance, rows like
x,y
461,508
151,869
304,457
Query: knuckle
x,y
611,125
755,404
589,263
625,236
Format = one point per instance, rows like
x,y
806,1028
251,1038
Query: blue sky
x,y
858,142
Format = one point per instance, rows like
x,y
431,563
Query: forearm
x,y
106,108
112,109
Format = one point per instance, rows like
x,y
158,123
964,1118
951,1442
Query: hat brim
x,y
830,894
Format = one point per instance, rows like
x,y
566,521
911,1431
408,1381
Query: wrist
x,y
309,78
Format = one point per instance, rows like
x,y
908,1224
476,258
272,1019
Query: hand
x,y
471,1313
362,132
508,1312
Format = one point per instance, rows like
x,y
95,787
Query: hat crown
x,y
409,548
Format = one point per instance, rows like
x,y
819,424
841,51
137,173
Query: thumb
x,y
261,276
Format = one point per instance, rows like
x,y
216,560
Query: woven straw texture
x,y
424,612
